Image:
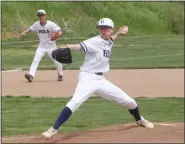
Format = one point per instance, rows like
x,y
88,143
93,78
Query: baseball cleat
x,y
60,78
29,77
145,123
49,133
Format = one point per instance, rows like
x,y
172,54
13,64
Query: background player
x,y
97,54
45,30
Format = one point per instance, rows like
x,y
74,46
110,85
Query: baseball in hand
x,y
124,30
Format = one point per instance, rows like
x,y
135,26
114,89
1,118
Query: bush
x,y
143,18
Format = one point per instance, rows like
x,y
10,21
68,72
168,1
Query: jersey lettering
x,y
44,31
97,55
107,53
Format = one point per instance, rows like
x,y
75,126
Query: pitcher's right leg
x,y
84,89
111,92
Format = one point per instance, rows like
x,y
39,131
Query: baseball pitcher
x,y
97,52
48,32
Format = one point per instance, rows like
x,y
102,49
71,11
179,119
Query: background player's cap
x,y
41,12
105,22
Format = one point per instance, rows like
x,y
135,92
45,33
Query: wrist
x,y
117,34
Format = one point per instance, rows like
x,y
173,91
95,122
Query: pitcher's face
x,y
106,32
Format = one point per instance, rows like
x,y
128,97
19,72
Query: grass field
x,y
129,52
26,115
78,19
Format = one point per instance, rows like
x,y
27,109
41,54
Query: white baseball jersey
x,y
44,33
97,54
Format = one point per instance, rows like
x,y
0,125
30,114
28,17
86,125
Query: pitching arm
x,y
115,36
122,31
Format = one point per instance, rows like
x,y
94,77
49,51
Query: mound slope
x,y
163,132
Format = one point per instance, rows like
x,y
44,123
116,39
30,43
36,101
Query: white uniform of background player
x,y
91,80
46,45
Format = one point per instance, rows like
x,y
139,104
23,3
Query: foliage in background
x,y
78,19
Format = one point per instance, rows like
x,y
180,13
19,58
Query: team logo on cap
x,y
102,21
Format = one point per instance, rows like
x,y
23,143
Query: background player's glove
x,y
54,36
62,55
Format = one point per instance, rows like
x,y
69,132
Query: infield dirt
x,y
140,82
146,83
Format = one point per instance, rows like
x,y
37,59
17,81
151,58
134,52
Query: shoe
x,y
29,77
145,123
60,78
49,133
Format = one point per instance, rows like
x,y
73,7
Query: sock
x,y
135,113
64,115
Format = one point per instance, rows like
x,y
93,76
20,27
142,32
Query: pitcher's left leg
x,y
58,65
111,92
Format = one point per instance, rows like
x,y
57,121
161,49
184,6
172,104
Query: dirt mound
x,y
163,132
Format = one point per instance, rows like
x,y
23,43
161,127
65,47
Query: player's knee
x,y
73,105
35,62
129,103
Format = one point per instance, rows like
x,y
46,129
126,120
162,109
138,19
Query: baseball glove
x,y
54,36
62,55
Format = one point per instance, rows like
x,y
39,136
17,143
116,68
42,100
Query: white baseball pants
x,y
89,83
40,52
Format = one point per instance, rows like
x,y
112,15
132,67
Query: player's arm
x,y
122,31
73,47
24,32
32,28
57,31
88,45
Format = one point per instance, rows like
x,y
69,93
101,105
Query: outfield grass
x,y
26,115
128,52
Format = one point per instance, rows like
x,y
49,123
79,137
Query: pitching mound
x,y
163,132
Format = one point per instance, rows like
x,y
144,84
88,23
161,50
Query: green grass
x,y
26,115
129,52
143,18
